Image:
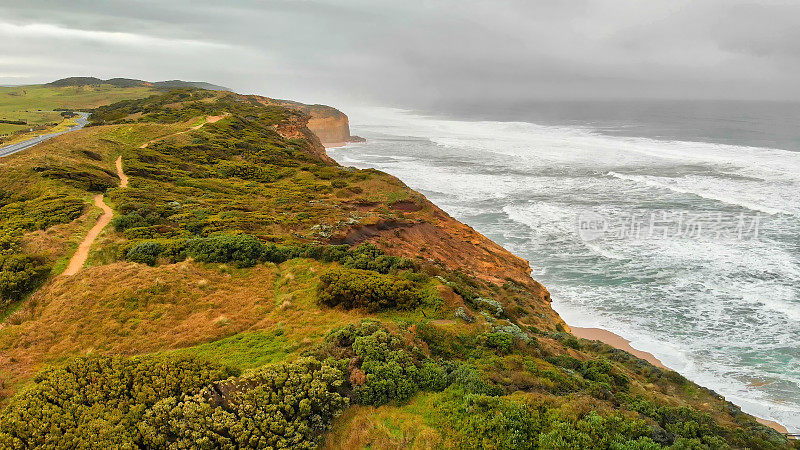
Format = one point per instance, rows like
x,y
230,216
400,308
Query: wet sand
x,y
615,340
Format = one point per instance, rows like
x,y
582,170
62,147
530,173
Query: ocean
x,y
672,224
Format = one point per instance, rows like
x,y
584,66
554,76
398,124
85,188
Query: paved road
x,y
18,147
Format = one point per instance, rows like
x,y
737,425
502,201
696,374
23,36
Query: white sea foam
x,y
700,188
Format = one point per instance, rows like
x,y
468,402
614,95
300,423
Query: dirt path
x,y
123,179
209,119
82,254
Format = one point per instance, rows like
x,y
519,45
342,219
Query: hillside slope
x,y
251,293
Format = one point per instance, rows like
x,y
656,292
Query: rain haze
x,y
417,53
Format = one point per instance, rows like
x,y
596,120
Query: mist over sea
x,y
673,224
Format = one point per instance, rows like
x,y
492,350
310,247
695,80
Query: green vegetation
x,y
147,403
279,406
97,401
386,370
355,288
21,272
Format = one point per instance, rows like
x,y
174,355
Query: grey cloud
x,y
419,52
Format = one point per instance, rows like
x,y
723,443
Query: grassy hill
x,y
251,293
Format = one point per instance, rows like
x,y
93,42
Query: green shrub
x,y
130,220
600,432
85,177
481,421
114,402
602,371
278,406
20,274
145,252
40,213
355,288
467,379
499,341
94,402
243,249
383,368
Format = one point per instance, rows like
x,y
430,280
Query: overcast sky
x,y
408,53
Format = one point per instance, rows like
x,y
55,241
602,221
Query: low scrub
x,y
19,275
356,288
98,402
383,369
246,250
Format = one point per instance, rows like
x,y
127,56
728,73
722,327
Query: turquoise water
x,y
689,247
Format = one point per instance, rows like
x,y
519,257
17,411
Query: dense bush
x,y
279,406
20,274
481,421
600,432
356,288
383,368
243,249
40,213
247,250
116,402
95,402
85,177
145,252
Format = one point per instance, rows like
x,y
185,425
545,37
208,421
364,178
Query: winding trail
x,y
82,254
209,119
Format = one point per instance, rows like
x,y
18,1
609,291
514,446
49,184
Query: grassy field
x,y
36,105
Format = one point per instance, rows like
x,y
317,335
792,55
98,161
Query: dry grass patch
x,y
382,427
128,308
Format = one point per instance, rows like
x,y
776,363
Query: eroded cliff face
x,y
331,128
329,125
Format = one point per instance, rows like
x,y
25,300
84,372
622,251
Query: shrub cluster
x,y
278,406
94,402
40,213
116,402
356,288
86,177
483,421
246,250
383,369
19,275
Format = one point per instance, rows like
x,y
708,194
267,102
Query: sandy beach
x,y
615,340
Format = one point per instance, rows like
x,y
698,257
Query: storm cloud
x,y
410,53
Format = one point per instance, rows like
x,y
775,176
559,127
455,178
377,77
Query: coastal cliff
x,y
245,274
331,126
